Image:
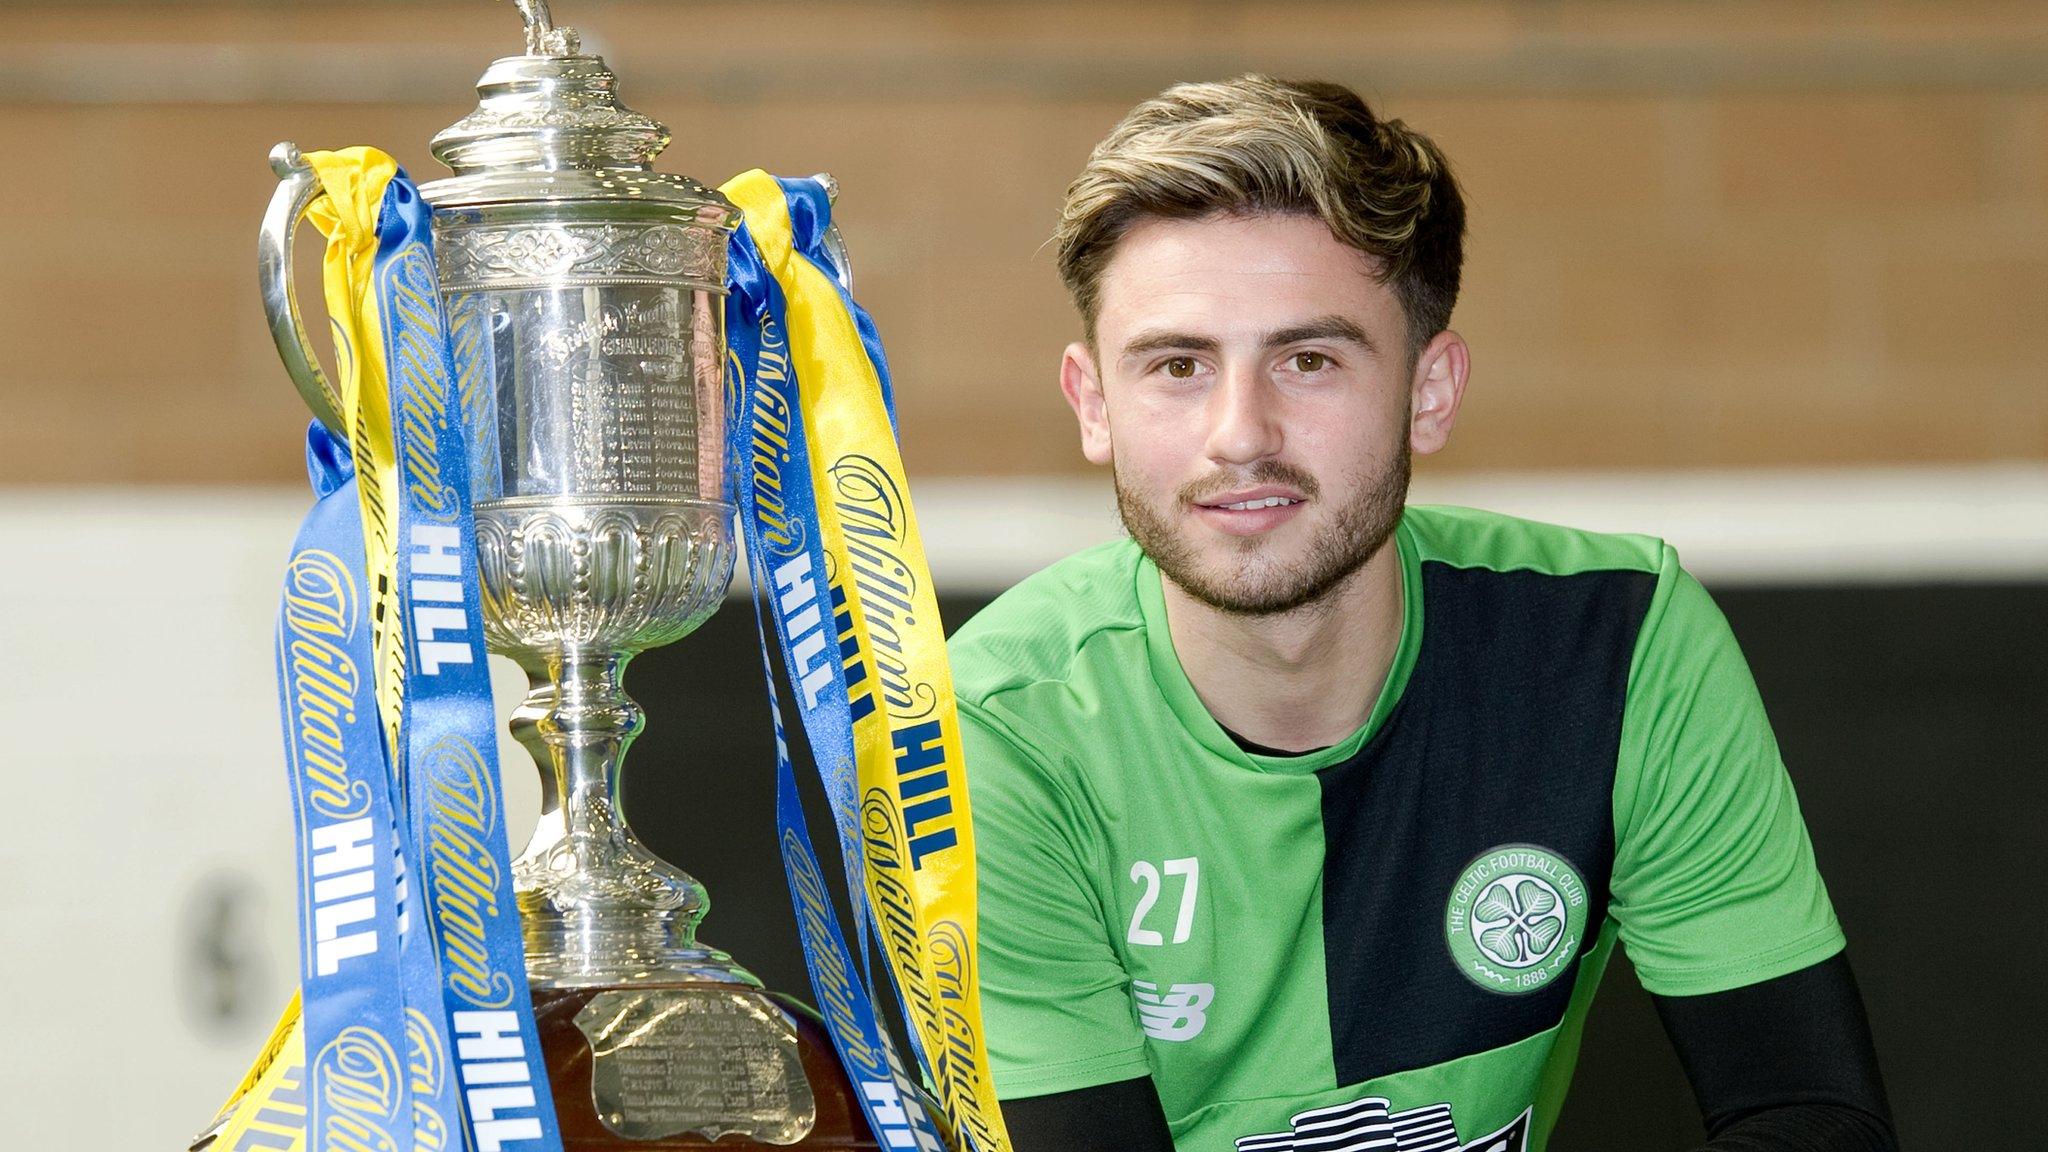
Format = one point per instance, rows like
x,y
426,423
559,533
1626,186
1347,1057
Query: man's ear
x,y
1082,386
1436,390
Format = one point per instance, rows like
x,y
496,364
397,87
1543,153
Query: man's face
x,y
1252,386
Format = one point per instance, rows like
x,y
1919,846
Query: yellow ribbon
x,y
925,914
271,1099
355,179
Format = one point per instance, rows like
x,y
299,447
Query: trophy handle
x,y
835,244
298,186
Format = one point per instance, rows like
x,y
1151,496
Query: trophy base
x,y
693,1065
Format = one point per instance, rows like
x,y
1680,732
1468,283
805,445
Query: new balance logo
x,y
1367,1126
1179,1013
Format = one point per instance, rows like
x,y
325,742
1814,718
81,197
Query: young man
x,y
1308,820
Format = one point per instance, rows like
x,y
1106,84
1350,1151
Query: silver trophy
x,y
593,287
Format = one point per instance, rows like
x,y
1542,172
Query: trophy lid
x,y
549,127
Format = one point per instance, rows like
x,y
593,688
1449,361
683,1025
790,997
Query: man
x,y
1310,821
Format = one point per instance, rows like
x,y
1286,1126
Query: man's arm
x,y
1721,905
1785,1065
1122,1117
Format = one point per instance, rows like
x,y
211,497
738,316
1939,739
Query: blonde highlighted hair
x,y
1255,145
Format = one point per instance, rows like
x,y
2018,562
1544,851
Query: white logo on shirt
x,y
1179,1013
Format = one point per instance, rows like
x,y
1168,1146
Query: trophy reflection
x,y
584,292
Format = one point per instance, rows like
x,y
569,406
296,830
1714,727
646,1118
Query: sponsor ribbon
x,y
771,483
348,852
792,323
433,686
385,575
455,816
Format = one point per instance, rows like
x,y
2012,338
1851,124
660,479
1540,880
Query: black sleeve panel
x,y
1785,1065
1804,1128
1122,1117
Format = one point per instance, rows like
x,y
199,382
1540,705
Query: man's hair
x,y
1256,145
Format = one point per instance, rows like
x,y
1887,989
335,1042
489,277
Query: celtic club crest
x,y
1516,918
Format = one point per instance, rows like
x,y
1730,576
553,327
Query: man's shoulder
x,y
1039,630
1476,538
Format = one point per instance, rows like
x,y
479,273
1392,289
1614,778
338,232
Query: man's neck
x,y
1298,680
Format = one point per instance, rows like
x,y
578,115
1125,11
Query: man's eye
x,y
1180,367
1310,361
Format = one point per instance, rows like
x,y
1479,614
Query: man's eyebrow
x,y
1165,341
1321,328
1331,327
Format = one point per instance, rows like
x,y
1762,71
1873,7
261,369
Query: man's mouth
x,y
1249,499
1247,505
1250,511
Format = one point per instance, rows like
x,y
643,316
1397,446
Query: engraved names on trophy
x,y
714,1061
620,418
646,353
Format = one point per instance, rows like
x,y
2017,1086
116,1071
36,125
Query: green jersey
x,y
1389,944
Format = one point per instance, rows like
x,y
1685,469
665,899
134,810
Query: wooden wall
x,y
1702,234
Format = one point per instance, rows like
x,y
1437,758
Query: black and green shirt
x,y
1389,944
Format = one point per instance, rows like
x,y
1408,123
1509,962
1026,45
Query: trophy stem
x,y
597,906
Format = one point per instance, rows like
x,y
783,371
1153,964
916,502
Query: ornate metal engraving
x,y
571,253
499,120
572,588
612,573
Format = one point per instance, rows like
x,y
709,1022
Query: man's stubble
x,y
1256,588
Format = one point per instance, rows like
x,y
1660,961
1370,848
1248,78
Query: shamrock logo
x,y
1518,920
1515,917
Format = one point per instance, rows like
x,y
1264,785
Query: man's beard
x,y
1257,587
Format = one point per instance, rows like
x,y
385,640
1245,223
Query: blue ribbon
x,y
770,476
454,811
348,851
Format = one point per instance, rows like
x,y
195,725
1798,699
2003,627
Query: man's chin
x,y
1267,586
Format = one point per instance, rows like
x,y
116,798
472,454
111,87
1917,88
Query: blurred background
x,y
1768,279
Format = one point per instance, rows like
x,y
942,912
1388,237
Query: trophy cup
x,y
593,287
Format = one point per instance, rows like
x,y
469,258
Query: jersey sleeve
x,y
1715,885
1055,998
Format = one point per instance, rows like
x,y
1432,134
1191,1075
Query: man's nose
x,y
1244,417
